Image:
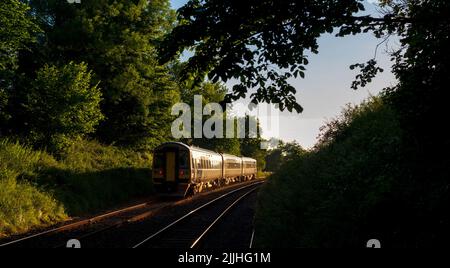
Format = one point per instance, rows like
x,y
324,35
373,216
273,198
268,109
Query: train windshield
x,y
184,160
158,161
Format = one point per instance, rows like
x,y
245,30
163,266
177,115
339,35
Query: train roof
x,y
198,149
173,144
230,155
185,146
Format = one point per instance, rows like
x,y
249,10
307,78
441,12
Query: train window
x,y
183,160
159,161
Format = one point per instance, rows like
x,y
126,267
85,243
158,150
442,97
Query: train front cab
x,y
172,168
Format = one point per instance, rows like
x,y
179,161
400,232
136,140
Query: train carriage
x,y
207,169
184,170
232,166
249,168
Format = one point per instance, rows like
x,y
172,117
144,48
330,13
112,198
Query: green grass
x,y
36,189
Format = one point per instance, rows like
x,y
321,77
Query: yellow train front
x,y
182,170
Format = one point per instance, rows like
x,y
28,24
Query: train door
x,y
171,166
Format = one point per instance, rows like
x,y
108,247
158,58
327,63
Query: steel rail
x,y
220,217
193,212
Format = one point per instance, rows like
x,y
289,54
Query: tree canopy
x,y
262,43
116,39
17,32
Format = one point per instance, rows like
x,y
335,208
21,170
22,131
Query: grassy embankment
x,y
36,189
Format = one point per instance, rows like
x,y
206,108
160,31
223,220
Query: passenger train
x,y
184,170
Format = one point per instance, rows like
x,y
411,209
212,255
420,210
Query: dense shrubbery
x,y
38,190
61,106
341,193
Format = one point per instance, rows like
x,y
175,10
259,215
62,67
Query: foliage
x,y
346,191
282,153
116,39
3,103
420,98
38,190
210,93
61,105
251,143
17,30
261,43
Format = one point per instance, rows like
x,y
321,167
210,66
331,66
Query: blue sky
x,y
326,88
177,3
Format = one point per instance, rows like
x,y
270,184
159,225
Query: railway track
x,y
58,237
92,228
191,229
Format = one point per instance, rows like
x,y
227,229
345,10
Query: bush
x,y
62,106
344,192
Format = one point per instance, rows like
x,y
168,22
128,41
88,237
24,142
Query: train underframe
x,y
184,189
195,188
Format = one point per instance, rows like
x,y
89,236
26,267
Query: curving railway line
x,y
204,213
191,229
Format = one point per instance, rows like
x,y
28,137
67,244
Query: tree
x,y
421,100
262,43
251,143
17,31
117,40
211,93
283,153
61,106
